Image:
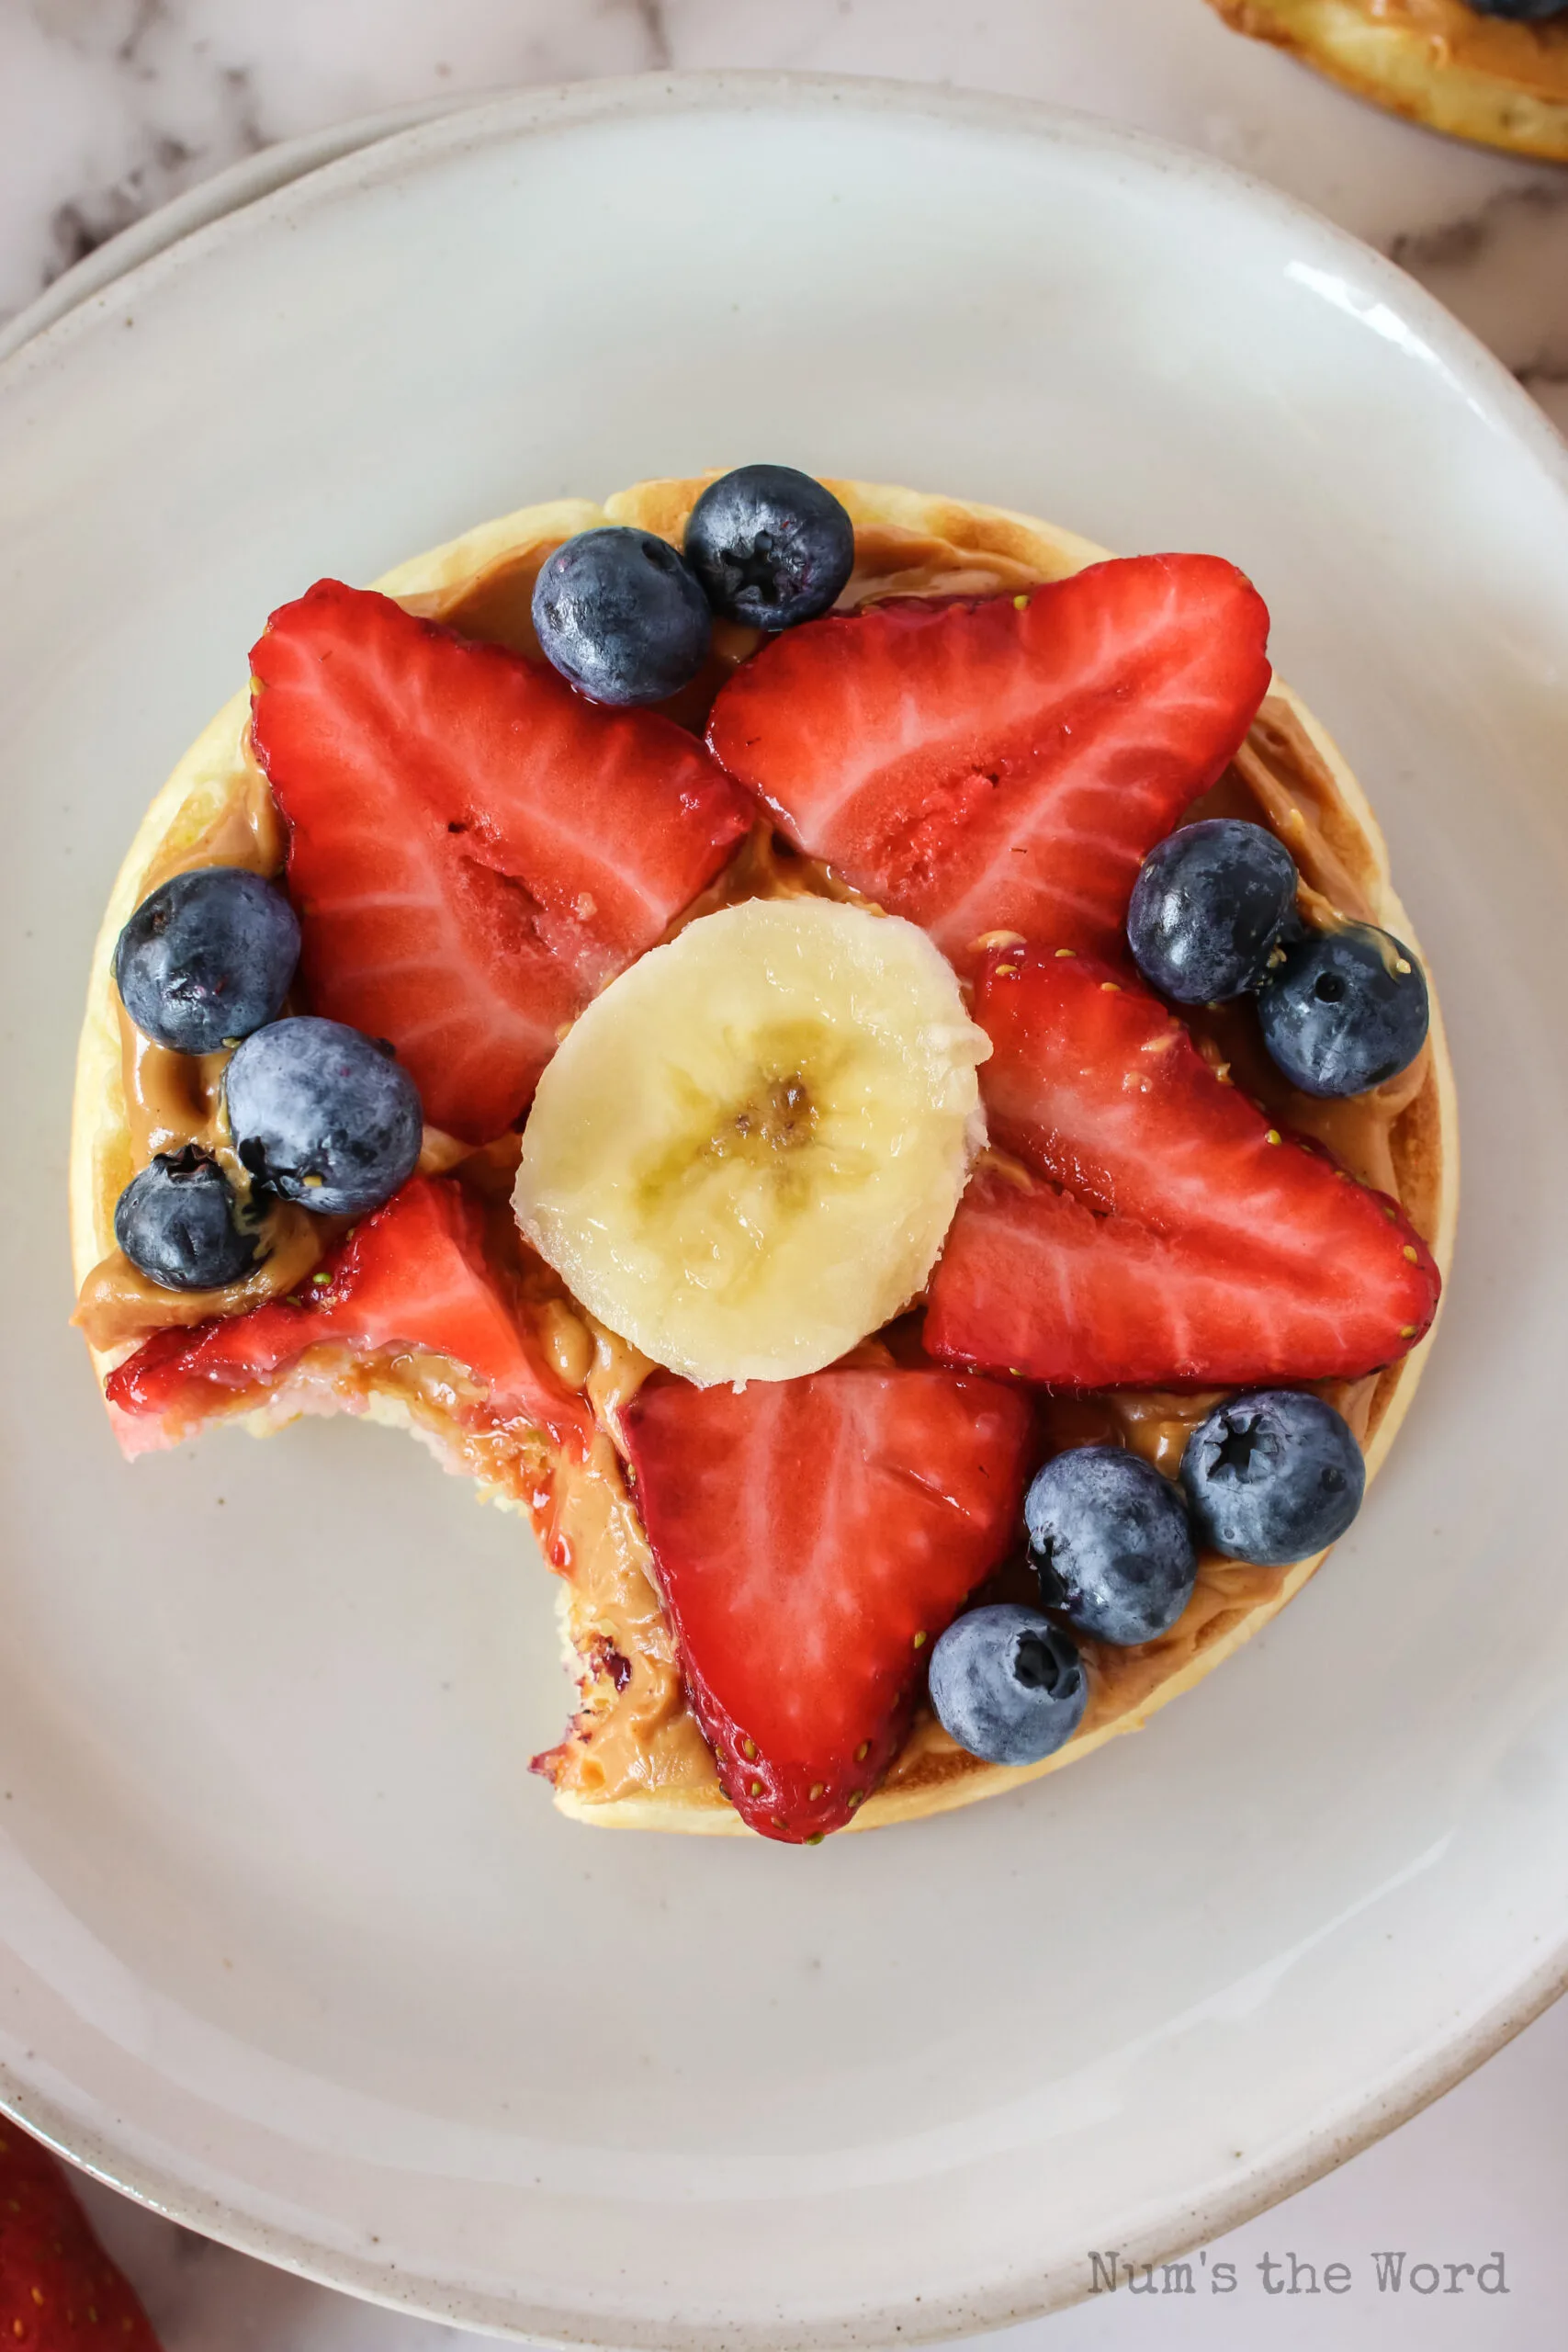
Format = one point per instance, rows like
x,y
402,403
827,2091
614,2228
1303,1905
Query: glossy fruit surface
x,y
1345,1010
175,1221
474,849
813,1538
58,2290
1169,1234
1004,764
1273,1476
1110,1539
413,1276
771,546
206,958
1008,1685
621,615
323,1115
1207,909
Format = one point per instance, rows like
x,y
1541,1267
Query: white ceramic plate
x,y
291,1944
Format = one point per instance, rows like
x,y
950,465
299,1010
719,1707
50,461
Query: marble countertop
x,y
110,107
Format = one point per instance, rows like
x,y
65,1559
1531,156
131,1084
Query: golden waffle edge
x,y
906,541
1490,79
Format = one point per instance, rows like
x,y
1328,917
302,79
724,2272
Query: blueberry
x,y
1273,1476
1522,12
1344,1010
1008,1685
207,959
770,546
1110,1540
1208,907
619,614
175,1223
322,1114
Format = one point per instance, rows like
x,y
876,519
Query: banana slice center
x,y
761,1130
746,1153
727,1188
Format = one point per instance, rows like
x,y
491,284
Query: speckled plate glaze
x,y
291,1945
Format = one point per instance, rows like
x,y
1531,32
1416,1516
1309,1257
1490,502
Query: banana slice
x,y
746,1153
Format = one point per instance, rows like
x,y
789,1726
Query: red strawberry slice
x,y
813,1537
1006,763
58,2290
1189,1241
474,849
415,1276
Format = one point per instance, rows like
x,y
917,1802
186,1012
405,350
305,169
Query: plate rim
x,y
230,189
395,145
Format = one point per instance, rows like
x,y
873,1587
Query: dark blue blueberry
x,y
1008,1685
770,546
1110,1539
1344,1010
323,1115
1273,1476
175,1221
1522,12
621,615
207,959
1208,907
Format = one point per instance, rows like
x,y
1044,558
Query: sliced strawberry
x,y
1190,1240
813,1537
412,1276
1006,763
474,849
58,2290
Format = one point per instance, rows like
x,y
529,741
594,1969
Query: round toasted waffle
x,y
636,1760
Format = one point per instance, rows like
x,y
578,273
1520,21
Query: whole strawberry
x,y
57,2288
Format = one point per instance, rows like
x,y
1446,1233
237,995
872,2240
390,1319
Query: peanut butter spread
x,y
633,1731
1534,57
172,1099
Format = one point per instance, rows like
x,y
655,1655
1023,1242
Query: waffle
x,y
633,1757
1487,78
